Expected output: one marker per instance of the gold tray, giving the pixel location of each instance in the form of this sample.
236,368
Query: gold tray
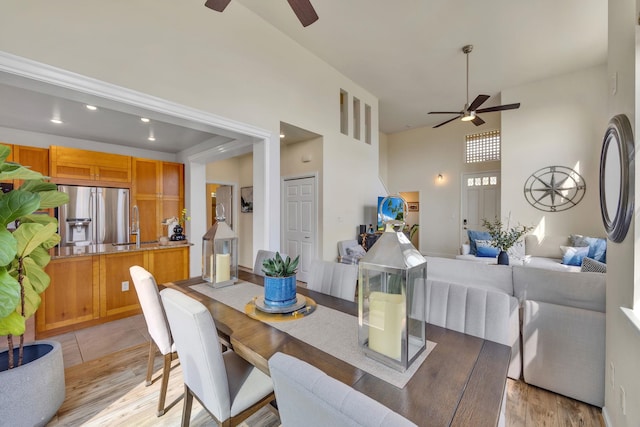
255,313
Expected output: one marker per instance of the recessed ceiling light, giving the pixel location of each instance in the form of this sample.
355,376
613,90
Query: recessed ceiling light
282,135
91,107
144,119
151,138
56,121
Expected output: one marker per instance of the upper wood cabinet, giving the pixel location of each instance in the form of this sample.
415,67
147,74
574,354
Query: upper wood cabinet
75,164
158,191
36,159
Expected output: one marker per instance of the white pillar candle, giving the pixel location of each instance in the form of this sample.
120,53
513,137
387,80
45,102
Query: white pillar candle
386,320
223,267
211,268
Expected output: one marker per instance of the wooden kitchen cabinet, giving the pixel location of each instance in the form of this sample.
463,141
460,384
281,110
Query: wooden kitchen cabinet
79,166
72,297
34,158
169,265
87,290
158,191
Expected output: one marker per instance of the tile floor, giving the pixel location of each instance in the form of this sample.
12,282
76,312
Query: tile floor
97,341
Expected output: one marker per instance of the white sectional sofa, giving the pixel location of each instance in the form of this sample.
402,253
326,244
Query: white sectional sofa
543,253
552,320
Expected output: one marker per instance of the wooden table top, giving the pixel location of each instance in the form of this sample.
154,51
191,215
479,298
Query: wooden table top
461,383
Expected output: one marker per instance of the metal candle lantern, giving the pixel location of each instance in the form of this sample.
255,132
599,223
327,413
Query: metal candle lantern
220,253
392,281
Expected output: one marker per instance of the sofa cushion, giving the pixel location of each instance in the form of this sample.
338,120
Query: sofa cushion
589,264
484,248
572,255
597,246
476,274
476,235
580,290
546,246
548,264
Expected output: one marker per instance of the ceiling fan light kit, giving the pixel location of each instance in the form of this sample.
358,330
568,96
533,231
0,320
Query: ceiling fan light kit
470,111
302,8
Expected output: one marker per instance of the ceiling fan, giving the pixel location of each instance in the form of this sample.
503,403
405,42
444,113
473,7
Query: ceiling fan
302,8
471,111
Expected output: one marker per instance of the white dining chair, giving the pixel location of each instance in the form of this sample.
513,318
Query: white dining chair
227,386
333,278
260,257
158,328
306,396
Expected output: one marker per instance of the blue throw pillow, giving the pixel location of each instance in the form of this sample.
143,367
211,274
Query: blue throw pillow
476,235
597,246
573,256
484,249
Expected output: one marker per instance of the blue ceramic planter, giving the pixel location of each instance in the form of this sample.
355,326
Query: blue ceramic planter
280,291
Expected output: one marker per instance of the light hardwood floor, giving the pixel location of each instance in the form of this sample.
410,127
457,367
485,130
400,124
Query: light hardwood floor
105,376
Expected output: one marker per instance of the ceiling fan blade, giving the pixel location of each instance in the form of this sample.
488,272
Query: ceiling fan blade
444,112
450,120
304,11
217,5
480,99
477,121
499,108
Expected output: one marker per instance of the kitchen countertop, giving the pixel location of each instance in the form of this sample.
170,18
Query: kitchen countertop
76,251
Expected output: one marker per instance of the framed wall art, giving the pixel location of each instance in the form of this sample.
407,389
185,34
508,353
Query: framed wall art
246,199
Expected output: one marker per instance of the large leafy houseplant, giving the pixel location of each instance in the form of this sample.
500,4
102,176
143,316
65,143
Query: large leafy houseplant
24,251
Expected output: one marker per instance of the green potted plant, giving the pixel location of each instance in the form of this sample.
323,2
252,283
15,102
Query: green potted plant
31,374
280,280
503,239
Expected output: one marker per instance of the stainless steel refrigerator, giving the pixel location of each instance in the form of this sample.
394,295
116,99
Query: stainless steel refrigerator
94,215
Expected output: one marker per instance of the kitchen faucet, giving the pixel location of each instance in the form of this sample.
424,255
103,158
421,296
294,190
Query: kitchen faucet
135,224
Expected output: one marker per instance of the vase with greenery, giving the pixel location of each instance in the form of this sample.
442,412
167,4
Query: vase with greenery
33,374
504,237
280,280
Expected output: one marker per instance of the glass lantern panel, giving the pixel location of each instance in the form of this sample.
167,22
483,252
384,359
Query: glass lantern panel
416,296
384,312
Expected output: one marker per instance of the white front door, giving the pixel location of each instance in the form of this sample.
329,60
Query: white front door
480,200
299,222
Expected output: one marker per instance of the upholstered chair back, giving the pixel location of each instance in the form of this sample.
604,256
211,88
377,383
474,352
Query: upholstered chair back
306,396
152,308
199,350
333,278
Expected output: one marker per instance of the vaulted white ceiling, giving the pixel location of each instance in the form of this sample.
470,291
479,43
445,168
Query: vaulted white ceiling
405,52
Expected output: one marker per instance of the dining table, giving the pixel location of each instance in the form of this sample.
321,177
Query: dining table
460,383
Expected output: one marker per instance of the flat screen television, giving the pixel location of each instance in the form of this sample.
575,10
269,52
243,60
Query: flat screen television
393,209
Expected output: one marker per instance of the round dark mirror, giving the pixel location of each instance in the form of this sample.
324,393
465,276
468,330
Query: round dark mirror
617,178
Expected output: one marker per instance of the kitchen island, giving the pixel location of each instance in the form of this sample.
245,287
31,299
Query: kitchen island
91,284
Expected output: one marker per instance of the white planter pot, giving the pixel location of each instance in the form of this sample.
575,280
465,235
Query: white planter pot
31,394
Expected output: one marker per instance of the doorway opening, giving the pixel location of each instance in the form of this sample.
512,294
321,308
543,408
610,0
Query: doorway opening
219,194
412,219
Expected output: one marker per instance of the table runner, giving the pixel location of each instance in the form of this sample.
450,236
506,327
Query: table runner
341,343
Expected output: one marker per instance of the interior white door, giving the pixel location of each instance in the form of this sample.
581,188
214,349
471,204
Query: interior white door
299,222
480,200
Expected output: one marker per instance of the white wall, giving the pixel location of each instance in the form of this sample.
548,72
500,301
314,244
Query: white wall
233,65
560,122
415,158
623,259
